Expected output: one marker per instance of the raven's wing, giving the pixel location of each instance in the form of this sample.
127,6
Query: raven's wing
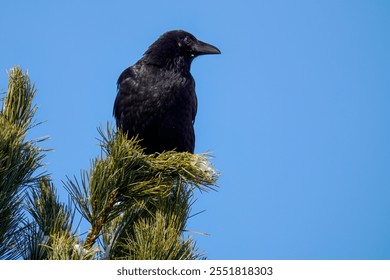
123,97
138,105
194,100
133,107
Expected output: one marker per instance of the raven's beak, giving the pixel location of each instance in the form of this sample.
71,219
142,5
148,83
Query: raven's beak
200,48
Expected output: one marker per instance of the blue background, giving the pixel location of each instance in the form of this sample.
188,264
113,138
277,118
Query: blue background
295,111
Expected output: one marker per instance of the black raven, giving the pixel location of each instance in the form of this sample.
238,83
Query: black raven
156,97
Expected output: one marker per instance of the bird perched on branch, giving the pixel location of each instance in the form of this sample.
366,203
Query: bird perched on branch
156,97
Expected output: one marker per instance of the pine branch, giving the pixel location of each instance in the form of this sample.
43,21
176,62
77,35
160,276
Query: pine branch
52,226
125,186
19,159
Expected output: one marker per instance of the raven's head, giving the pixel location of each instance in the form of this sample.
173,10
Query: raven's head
176,49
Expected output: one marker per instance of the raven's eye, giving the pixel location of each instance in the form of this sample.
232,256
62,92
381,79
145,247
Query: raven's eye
187,41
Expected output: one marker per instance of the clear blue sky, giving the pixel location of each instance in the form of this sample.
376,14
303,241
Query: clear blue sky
295,111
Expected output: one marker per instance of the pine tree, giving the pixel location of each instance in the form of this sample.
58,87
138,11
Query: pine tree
137,205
